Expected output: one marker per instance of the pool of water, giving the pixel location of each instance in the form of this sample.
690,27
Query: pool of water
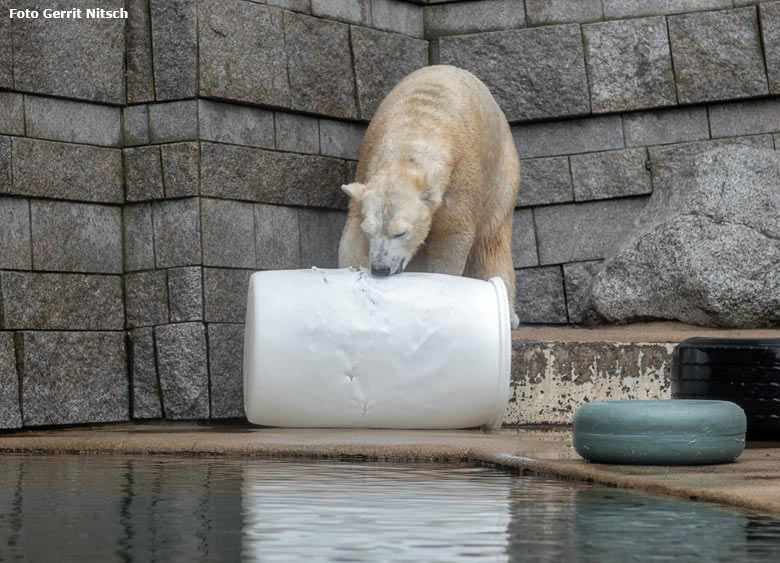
102,508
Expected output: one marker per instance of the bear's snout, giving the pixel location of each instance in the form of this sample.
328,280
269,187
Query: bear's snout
380,270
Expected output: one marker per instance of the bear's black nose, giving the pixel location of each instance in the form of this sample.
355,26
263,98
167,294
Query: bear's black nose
380,270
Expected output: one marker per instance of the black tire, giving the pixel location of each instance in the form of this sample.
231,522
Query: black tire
746,372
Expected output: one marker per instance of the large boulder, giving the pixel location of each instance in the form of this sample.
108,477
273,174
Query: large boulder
707,250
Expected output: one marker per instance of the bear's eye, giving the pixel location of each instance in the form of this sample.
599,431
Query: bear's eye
398,235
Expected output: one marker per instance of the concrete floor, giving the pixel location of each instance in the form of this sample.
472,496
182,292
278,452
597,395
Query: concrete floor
752,482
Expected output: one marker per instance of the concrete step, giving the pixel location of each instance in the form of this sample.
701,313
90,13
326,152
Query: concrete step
556,369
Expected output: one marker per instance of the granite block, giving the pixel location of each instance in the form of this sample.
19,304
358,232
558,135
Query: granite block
524,239
10,412
145,386
351,171
71,58
277,240
15,246
138,237
717,55
75,122
146,298
544,181
180,163
252,174
173,121
533,73
185,294
348,11
33,300
665,126
138,35
175,40
73,377
744,118
341,139
616,9
228,233
143,173
6,48
473,17
182,364
629,65
46,169
569,136
303,6
395,54
241,52
225,293
177,233
320,233
76,237
226,352
398,17
6,180
297,133
539,296
770,34
547,12
585,231
136,125
11,113
240,125
604,175
319,64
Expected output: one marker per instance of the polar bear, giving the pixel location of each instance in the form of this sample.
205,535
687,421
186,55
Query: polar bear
436,182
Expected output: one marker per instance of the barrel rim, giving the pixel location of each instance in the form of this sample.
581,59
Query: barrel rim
504,352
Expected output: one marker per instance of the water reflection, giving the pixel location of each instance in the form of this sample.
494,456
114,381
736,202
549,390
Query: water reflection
359,512
91,508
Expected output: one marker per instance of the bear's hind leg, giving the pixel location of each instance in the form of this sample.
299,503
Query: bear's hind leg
492,256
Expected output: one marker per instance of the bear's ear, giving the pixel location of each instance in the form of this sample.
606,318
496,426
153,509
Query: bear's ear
355,190
432,191
431,194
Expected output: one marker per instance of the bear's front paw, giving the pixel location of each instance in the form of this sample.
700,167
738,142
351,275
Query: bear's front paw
515,321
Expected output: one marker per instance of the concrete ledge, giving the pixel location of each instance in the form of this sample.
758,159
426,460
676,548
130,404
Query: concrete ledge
752,482
660,332
557,369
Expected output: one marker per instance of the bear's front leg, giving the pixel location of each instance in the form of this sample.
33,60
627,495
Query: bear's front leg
353,247
447,252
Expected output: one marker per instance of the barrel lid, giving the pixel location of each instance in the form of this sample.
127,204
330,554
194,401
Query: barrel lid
660,417
728,351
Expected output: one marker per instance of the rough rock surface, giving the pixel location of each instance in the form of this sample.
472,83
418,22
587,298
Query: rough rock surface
143,374
73,377
10,414
241,52
629,65
226,349
533,73
708,250
183,371
319,66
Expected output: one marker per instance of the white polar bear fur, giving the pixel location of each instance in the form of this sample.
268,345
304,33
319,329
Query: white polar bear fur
438,164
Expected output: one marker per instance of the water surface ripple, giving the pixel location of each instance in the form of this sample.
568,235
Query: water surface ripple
126,509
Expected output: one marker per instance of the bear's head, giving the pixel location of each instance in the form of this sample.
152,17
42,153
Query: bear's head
397,207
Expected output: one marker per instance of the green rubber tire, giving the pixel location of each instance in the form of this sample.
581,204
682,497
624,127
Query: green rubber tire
676,432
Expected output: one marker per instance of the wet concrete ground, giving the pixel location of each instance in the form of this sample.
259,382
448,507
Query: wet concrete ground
753,481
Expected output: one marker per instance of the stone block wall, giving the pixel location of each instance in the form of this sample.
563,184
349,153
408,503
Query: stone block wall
148,166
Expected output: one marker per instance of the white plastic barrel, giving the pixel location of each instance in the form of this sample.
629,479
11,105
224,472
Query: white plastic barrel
341,348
